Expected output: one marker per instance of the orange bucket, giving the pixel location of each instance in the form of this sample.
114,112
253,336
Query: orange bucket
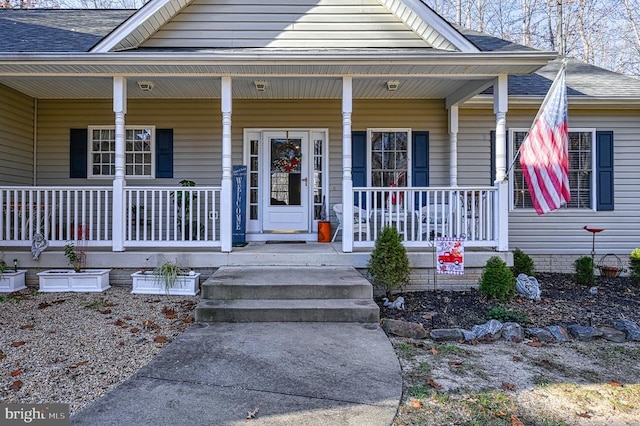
324,232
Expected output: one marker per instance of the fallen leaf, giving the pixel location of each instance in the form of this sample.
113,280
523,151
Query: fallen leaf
433,384
105,311
2,356
16,344
535,343
516,421
171,316
188,320
79,364
26,326
615,384
517,358
508,386
434,351
415,403
128,318
16,386
455,363
121,323
167,310
500,414
161,339
59,301
253,414
43,305
16,373
108,304
585,415
134,330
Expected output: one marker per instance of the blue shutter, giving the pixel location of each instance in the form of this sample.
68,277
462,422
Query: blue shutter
359,160
78,153
604,170
420,160
164,153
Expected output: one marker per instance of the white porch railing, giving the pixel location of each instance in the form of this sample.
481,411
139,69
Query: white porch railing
422,214
164,216
59,214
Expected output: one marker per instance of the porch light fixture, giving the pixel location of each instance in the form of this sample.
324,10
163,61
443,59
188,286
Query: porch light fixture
392,85
145,86
261,85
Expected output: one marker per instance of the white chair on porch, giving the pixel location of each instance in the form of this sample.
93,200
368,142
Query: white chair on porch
361,217
434,220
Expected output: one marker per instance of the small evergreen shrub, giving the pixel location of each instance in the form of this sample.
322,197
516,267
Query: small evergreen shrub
584,271
497,280
522,264
504,314
388,266
634,265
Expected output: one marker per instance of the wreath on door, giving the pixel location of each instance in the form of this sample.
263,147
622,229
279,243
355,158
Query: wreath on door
287,158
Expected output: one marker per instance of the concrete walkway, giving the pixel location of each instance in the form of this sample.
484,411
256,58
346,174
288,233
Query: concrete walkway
294,373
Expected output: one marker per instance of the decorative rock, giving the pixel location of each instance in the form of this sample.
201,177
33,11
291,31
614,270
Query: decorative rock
490,330
528,287
630,328
413,330
613,335
539,333
444,334
468,335
584,333
559,333
512,332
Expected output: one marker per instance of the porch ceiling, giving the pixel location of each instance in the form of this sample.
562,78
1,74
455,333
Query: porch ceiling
243,88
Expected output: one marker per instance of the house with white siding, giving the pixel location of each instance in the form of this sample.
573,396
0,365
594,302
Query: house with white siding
379,107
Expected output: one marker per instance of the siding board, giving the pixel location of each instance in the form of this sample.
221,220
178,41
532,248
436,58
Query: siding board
16,139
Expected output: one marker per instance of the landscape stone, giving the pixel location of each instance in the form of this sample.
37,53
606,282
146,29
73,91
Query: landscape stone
584,333
446,334
541,334
468,335
413,330
559,333
613,335
491,330
512,332
630,328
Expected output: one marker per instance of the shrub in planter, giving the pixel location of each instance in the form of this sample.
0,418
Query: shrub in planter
497,280
522,263
388,266
584,270
634,265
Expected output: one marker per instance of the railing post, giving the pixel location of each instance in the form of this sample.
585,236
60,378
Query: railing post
501,216
225,195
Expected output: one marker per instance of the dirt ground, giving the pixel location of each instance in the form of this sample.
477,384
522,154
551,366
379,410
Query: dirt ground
528,383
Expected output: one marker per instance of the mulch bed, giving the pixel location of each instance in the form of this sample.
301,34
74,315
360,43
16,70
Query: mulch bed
563,303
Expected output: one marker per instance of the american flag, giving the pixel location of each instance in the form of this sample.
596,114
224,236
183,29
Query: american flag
544,153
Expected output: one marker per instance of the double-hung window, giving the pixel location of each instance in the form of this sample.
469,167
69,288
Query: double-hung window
581,170
389,157
139,151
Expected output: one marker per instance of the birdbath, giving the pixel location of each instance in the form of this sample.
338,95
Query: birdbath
593,231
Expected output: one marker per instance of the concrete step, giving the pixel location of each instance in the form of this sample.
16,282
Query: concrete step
306,310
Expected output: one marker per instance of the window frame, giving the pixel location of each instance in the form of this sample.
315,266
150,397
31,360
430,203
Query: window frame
593,189
90,152
370,131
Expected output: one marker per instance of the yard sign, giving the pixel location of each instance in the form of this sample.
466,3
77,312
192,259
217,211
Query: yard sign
450,256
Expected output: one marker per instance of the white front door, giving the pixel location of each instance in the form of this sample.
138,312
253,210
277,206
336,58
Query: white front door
286,175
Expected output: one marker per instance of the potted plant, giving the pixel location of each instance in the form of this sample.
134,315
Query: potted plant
167,278
76,279
11,279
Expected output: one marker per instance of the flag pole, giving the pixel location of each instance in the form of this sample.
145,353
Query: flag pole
544,103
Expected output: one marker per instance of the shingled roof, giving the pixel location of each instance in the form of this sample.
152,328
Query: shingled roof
56,30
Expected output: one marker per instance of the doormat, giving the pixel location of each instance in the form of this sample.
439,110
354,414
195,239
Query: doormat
285,242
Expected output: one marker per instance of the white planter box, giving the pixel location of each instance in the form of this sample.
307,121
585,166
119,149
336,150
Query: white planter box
89,280
148,283
12,281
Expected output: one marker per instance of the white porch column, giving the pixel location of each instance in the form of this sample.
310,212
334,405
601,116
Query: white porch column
453,145
225,195
347,183
119,183
500,108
